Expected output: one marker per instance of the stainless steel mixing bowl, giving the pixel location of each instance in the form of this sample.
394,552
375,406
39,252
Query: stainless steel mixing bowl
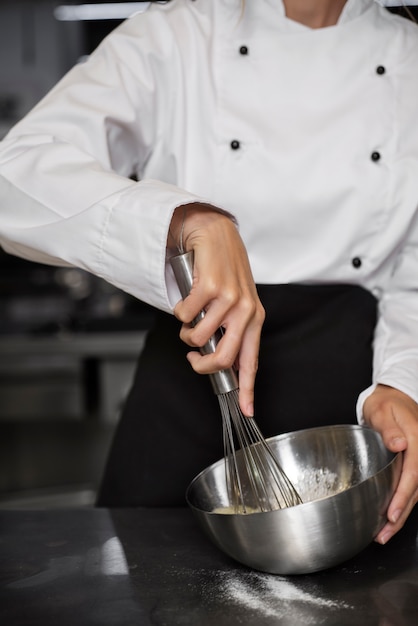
346,478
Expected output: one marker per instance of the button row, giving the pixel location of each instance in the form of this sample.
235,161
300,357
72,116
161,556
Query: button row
375,156
235,145
380,69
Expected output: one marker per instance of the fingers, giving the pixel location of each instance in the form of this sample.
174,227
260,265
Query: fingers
395,416
239,346
247,374
246,364
237,318
406,494
403,501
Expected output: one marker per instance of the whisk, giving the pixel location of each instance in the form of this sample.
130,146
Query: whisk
255,480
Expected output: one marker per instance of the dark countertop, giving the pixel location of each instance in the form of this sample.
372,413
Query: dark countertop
141,567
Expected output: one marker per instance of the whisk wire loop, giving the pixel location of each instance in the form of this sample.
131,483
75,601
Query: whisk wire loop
269,487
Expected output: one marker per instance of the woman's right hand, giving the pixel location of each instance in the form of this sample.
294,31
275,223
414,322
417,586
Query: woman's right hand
223,286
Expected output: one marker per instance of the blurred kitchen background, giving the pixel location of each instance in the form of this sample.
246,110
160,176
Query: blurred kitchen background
68,341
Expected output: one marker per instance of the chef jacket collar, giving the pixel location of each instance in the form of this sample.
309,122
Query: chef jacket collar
351,10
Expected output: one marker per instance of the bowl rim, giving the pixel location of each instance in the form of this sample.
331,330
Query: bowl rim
286,435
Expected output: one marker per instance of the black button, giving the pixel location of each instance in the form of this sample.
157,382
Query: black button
380,69
375,156
243,50
356,262
235,144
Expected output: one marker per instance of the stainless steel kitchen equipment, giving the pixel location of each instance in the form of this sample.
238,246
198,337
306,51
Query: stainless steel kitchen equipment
259,482
346,478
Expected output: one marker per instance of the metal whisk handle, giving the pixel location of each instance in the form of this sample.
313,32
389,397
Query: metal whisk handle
223,381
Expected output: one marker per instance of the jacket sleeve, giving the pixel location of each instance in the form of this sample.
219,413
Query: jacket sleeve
396,337
395,361
67,190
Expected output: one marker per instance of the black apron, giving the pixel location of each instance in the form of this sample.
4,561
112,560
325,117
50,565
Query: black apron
315,358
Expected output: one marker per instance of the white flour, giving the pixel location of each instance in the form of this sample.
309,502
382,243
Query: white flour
314,484
274,596
268,597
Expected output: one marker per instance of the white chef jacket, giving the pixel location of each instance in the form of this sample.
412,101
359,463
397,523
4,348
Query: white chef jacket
307,136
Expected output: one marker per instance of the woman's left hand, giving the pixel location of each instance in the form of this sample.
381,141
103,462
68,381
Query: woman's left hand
394,415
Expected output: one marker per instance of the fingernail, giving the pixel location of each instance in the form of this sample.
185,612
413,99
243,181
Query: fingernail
395,516
384,538
250,410
398,439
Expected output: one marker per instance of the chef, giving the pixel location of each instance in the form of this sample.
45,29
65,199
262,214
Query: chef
277,139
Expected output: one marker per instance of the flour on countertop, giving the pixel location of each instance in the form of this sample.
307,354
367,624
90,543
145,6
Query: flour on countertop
268,596
271,594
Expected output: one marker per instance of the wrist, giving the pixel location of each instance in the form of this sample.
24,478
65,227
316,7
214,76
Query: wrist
188,219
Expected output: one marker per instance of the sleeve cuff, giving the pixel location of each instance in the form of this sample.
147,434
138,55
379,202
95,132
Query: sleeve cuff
360,403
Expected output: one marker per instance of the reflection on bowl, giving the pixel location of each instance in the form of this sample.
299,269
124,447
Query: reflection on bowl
346,478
